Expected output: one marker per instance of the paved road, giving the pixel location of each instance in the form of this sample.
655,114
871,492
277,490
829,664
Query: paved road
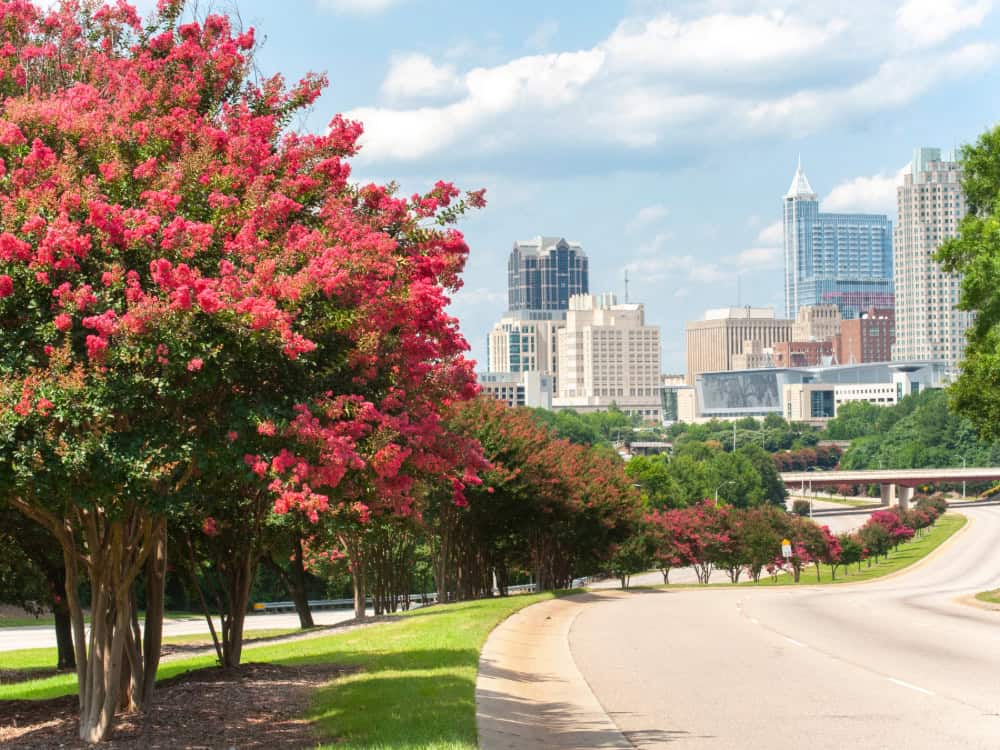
897,663
44,636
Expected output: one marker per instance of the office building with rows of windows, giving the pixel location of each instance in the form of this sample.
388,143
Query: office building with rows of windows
544,272
833,258
931,205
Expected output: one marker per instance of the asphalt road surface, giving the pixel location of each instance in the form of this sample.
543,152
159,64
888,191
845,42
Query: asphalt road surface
898,663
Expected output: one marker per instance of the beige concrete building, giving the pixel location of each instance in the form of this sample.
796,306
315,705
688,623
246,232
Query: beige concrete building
517,388
753,356
816,323
525,340
930,204
817,403
608,355
713,342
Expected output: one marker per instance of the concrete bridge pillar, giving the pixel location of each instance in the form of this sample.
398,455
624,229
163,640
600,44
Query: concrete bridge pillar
905,495
888,494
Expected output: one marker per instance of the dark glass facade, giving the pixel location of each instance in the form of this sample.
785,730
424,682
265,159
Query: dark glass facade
542,274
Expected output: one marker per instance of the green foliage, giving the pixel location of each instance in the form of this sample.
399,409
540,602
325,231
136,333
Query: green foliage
697,470
773,433
634,555
920,431
800,507
591,428
975,253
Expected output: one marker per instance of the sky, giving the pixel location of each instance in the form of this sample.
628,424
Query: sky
660,135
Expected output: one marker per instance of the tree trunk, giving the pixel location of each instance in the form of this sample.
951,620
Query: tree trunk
358,579
297,587
235,613
156,580
64,625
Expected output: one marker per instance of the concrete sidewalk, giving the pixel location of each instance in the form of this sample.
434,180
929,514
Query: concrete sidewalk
529,693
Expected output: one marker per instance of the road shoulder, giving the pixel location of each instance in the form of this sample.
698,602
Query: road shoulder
529,692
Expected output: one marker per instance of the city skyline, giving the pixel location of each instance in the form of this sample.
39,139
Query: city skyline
659,135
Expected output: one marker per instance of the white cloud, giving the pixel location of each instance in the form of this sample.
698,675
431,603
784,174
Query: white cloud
667,79
543,34
479,296
892,85
929,22
874,194
648,215
773,235
720,43
676,268
416,76
358,7
761,259
538,81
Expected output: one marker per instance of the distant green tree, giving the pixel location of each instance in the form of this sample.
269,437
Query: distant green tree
921,431
975,253
656,482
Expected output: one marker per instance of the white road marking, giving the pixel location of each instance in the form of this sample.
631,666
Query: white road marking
908,685
794,642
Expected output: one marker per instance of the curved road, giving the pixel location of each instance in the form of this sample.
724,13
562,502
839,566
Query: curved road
897,663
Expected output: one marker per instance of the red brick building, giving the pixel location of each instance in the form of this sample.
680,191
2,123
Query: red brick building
866,339
801,353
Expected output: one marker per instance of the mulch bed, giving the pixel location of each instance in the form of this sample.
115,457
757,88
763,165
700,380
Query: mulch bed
255,706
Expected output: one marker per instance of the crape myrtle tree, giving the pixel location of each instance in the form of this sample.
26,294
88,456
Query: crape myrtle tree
184,282
547,506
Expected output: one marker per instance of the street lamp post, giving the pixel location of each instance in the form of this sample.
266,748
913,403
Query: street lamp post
963,479
731,481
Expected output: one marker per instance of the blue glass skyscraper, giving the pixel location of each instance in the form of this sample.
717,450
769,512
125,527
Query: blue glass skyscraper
841,259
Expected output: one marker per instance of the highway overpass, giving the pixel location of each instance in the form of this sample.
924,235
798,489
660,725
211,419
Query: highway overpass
897,484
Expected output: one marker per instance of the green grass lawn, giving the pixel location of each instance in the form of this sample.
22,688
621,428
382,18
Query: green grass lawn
854,502
415,688
990,597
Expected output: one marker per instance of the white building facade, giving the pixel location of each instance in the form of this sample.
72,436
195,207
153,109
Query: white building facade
930,206
607,356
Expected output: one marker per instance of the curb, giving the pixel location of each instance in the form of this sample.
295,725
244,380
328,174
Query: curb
530,695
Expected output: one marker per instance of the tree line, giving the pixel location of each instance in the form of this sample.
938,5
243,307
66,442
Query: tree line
748,541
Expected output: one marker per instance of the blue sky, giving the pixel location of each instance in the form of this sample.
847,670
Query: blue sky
661,135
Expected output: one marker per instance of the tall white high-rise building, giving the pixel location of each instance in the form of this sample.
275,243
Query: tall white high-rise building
930,205
608,355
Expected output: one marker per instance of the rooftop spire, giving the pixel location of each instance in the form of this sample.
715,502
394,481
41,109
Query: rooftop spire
800,187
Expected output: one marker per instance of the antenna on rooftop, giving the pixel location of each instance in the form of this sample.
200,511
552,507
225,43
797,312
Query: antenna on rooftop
626,286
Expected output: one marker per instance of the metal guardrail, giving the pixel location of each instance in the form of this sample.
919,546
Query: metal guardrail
429,598
333,603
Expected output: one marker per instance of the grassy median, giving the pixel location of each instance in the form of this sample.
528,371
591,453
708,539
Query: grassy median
414,688
990,597
905,555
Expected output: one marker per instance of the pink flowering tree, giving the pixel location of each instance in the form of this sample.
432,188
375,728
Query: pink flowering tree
197,310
